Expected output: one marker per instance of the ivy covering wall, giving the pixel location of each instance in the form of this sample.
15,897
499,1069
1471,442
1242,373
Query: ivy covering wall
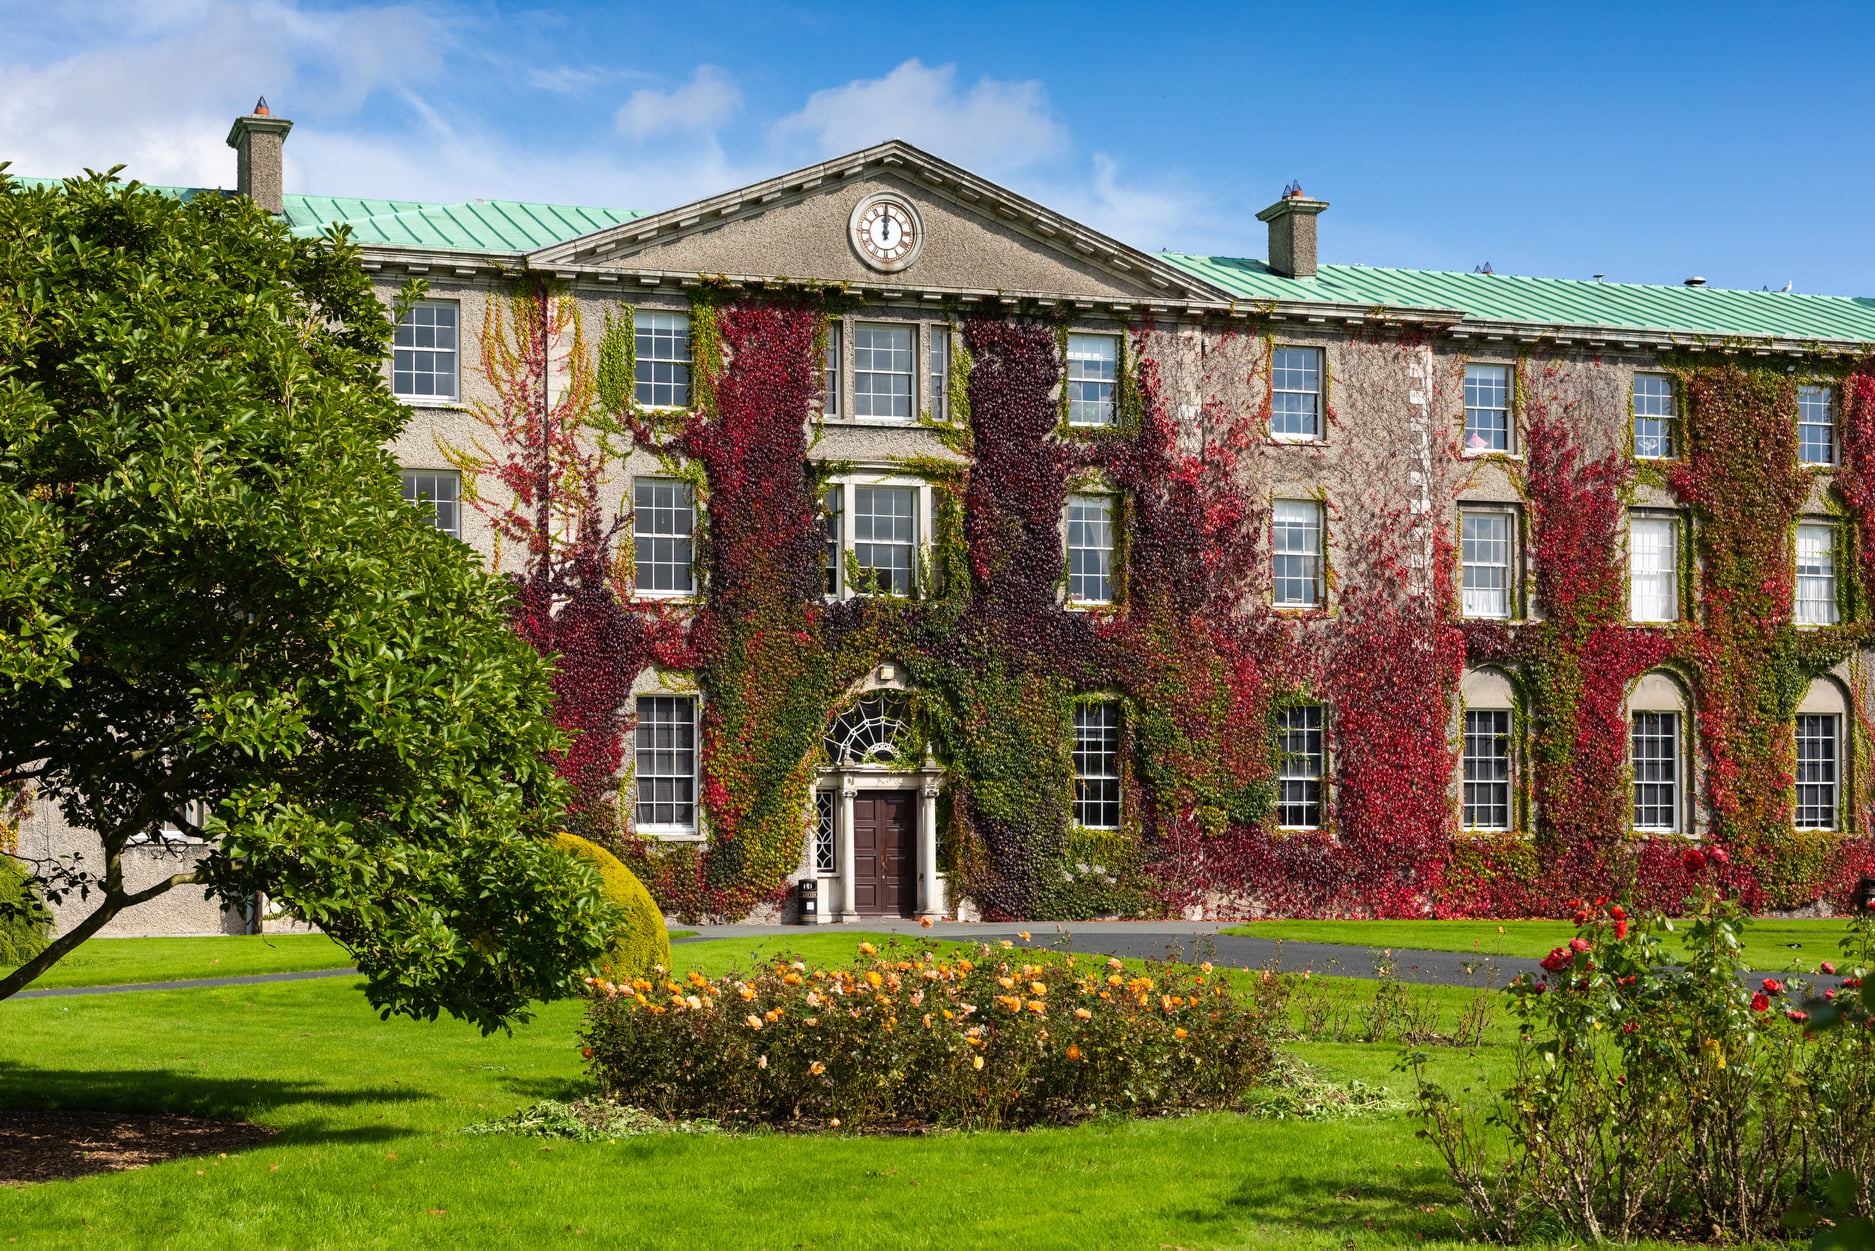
1199,661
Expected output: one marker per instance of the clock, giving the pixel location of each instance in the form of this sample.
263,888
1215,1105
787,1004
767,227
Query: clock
886,231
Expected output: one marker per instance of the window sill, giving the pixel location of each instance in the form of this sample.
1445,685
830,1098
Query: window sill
895,423
1488,453
667,597
432,401
1296,440
1089,605
1300,610
667,834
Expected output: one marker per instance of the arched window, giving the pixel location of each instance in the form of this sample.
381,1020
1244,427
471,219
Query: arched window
1822,756
871,731
1488,758
1658,755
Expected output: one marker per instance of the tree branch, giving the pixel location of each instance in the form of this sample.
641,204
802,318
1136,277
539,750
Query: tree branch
114,902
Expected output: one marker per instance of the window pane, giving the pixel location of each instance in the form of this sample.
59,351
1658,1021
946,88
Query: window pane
663,375
830,373
1818,736
1299,767
830,516
1484,553
1093,366
1296,396
1296,547
440,491
1090,548
939,382
1816,575
1487,408
882,372
1097,765
1486,762
825,805
1653,568
666,763
1654,416
663,526
1816,425
1654,750
884,538
423,352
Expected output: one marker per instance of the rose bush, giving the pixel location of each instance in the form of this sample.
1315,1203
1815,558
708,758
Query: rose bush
993,1039
1651,1098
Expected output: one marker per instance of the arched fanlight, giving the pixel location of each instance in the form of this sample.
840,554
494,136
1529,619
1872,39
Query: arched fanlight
868,732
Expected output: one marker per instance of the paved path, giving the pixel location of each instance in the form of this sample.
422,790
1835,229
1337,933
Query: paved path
1191,941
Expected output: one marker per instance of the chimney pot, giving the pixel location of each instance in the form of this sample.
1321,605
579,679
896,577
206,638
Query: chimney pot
1292,232
258,140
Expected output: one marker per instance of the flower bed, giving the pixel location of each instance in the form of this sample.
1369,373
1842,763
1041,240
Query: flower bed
918,1038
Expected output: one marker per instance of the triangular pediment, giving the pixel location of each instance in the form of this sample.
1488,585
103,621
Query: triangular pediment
976,236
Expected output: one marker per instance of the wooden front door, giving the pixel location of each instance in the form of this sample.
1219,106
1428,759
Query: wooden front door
883,828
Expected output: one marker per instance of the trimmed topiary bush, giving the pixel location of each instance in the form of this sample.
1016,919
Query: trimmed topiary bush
24,922
643,944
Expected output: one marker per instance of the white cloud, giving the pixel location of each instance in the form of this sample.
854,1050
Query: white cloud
704,103
393,101
994,125
160,96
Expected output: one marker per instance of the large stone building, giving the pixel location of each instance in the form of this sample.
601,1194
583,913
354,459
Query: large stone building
1156,581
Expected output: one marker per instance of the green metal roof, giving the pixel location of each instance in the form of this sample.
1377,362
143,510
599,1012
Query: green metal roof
1551,301
470,226
514,226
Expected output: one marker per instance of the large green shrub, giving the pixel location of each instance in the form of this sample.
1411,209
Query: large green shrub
918,1038
24,921
219,614
642,944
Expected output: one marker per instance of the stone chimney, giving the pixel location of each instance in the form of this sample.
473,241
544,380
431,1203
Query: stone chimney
258,140
1292,232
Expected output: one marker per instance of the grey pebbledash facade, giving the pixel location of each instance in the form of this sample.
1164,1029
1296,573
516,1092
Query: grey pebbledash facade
920,242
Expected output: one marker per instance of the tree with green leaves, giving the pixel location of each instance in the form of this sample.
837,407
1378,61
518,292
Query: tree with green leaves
219,617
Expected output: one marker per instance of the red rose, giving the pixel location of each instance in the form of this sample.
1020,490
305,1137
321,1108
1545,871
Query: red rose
1828,968
1694,860
1760,1002
1578,944
1798,1017
1618,912
1581,918
1621,929
1772,985
1557,960
1719,856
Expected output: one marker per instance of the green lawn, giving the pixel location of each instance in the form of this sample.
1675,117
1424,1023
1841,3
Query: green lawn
121,961
118,961
368,1153
1774,946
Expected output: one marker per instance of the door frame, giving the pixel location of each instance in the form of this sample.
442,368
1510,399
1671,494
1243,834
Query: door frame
927,883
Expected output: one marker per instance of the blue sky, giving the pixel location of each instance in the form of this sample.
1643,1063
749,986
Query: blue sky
1647,143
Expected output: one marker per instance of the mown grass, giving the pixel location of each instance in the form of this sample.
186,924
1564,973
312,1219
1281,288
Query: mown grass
1772,946
125,961
368,1152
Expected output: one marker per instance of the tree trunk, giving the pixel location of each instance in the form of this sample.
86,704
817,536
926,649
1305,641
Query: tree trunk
114,902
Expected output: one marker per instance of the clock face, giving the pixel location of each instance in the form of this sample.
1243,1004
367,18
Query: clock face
886,232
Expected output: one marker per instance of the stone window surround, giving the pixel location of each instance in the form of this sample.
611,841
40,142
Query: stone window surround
924,515
662,682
